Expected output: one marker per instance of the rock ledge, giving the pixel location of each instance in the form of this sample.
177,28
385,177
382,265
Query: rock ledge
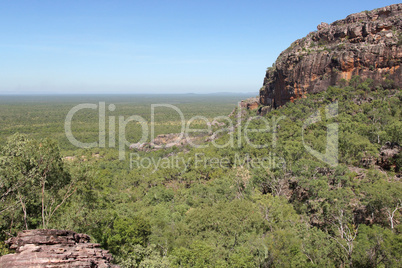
55,248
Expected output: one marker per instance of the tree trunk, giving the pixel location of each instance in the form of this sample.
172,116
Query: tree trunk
43,205
25,212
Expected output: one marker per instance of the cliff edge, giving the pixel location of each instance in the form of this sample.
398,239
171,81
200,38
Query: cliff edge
367,44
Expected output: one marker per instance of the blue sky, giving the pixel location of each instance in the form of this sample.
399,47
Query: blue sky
168,46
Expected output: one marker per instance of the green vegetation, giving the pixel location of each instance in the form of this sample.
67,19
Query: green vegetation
399,39
218,207
44,116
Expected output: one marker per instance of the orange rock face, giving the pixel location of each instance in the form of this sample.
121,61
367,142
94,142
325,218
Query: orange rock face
250,104
367,44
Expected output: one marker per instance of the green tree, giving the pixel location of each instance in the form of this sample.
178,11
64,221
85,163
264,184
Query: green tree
32,174
384,198
377,247
125,233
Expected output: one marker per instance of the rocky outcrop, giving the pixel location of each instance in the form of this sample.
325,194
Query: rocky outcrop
389,156
163,141
367,44
54,248
250,104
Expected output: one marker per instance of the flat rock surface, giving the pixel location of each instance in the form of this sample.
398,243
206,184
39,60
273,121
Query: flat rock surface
55,248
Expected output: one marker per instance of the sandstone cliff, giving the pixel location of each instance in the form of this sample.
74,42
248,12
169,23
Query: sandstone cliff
54,248
367,44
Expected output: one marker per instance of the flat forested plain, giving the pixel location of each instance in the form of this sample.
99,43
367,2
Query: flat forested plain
42,116
259,199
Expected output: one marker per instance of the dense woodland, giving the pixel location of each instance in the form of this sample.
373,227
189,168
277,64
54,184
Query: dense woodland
293,211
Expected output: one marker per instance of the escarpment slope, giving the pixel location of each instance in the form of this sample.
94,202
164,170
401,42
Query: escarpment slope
367,44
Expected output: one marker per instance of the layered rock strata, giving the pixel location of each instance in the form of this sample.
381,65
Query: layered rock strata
55,248
367,44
